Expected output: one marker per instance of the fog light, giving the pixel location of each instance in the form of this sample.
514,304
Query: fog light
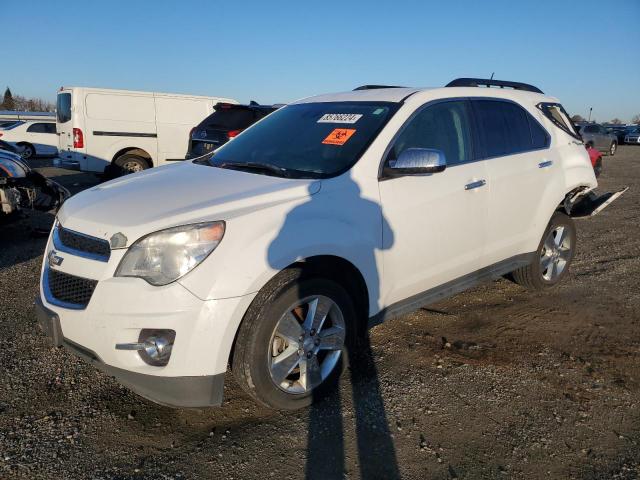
154,346
157,346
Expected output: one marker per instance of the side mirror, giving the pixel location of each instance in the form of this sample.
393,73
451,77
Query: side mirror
417,161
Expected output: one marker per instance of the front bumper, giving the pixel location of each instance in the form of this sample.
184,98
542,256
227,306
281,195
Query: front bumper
179,391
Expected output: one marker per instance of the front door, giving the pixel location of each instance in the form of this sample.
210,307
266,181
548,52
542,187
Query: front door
436,223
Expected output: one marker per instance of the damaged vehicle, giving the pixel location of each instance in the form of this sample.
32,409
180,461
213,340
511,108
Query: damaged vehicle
274,254
22,189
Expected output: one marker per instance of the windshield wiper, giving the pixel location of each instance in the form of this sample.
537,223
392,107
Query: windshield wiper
279,171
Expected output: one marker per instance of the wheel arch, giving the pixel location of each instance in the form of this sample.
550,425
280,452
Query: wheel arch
134,151
337,269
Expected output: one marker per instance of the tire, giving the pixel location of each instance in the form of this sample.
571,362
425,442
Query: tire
537,275
260,341
129,163
28,151
612,149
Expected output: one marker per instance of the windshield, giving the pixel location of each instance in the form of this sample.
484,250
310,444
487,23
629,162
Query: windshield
308,140
63,107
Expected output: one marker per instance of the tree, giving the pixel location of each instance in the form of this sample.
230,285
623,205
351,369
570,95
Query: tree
616,121
7,102
636,119
577,118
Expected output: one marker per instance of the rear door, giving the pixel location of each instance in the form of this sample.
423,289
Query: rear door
64,125
519,167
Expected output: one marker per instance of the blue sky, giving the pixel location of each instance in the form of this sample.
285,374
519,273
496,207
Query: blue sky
585,53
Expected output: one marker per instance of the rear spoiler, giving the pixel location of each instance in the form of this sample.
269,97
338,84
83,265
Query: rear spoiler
587,203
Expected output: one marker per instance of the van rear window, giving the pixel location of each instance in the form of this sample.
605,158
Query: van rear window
63,107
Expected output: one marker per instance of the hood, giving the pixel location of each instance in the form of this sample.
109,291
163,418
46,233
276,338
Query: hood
168,196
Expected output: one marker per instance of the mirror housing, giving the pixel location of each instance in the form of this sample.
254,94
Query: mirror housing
417,161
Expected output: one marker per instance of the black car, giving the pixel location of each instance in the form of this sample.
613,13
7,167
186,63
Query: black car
227,121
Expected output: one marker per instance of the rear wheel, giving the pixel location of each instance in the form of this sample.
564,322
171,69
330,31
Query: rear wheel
553,257
293,341
129,163
28,151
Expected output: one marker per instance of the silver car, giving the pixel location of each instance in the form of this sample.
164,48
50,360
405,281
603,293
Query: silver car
632,136
602,140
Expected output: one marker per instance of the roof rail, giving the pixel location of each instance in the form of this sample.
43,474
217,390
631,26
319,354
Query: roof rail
477,82
373,87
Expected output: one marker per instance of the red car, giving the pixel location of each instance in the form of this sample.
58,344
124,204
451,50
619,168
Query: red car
596,158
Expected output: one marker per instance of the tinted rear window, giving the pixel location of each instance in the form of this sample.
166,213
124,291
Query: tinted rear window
63,107
507,129
229,119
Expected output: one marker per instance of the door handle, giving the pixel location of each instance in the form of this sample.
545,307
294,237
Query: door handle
476,184
545,164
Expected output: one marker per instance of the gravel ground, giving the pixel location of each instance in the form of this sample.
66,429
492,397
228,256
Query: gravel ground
493,383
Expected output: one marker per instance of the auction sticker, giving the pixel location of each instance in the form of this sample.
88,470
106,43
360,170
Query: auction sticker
340,118
339,136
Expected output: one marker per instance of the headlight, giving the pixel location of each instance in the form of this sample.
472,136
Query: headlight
165,256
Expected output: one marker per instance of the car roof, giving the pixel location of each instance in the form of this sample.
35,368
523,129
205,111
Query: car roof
399,94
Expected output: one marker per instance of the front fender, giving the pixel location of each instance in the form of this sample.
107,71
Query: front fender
259,245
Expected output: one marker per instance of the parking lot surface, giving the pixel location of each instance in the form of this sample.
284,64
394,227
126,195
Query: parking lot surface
496,382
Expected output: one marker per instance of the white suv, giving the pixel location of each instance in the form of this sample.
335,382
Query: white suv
330,215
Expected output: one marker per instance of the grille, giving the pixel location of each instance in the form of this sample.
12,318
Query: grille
69,288
84,243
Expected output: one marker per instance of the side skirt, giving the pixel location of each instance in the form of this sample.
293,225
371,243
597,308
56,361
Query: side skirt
486,274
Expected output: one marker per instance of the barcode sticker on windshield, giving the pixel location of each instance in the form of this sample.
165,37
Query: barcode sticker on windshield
340,118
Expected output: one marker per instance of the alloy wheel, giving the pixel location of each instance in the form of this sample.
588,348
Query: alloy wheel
306,344
556,253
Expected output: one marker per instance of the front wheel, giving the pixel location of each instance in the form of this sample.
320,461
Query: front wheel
553,256
293,341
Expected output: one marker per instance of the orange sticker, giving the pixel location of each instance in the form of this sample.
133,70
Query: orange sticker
339,136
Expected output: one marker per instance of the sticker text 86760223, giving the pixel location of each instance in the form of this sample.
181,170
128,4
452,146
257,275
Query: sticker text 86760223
339,136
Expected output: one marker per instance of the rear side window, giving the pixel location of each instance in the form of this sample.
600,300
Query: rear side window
42,128
559,117
507,128
63,107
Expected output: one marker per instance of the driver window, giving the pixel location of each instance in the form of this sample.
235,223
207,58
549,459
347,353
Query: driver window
444,126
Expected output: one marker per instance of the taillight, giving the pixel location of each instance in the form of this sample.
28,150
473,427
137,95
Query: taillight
78,138
233,133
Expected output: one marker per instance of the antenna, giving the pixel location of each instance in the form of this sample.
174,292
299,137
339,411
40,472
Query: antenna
492,73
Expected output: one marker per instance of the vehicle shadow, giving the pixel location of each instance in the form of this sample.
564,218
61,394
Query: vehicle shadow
328,448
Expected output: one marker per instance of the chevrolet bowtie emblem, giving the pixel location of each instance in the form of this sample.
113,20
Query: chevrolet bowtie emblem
54,259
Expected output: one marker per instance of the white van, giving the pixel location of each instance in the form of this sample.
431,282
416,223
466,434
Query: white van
131,130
